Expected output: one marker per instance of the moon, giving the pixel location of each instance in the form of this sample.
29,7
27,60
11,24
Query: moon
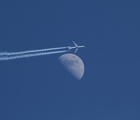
73,64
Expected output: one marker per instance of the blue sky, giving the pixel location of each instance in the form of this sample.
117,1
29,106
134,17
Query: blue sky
39,88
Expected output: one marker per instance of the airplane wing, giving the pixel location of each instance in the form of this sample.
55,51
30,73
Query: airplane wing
76,50
75,44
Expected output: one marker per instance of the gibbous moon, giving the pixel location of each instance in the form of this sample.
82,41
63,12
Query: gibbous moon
73,64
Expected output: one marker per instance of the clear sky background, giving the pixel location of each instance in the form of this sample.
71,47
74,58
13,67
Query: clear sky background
39,88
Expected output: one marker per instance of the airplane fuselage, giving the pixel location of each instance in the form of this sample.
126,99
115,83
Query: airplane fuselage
75,47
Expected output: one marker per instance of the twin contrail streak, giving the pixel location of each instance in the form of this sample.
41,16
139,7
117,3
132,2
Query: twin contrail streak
30,53
10,57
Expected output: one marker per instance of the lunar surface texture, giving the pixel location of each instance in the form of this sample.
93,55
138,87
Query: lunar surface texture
73,64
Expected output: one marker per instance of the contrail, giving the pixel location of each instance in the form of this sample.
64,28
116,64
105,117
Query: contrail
10,56
31,51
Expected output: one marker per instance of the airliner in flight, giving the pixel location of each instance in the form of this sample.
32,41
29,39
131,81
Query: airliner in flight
76,47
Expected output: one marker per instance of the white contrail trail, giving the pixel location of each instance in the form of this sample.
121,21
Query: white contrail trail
28,54
31,51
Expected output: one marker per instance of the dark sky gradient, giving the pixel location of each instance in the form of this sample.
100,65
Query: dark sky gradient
39,88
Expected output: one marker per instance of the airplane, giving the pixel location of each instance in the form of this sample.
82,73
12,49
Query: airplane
76,47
